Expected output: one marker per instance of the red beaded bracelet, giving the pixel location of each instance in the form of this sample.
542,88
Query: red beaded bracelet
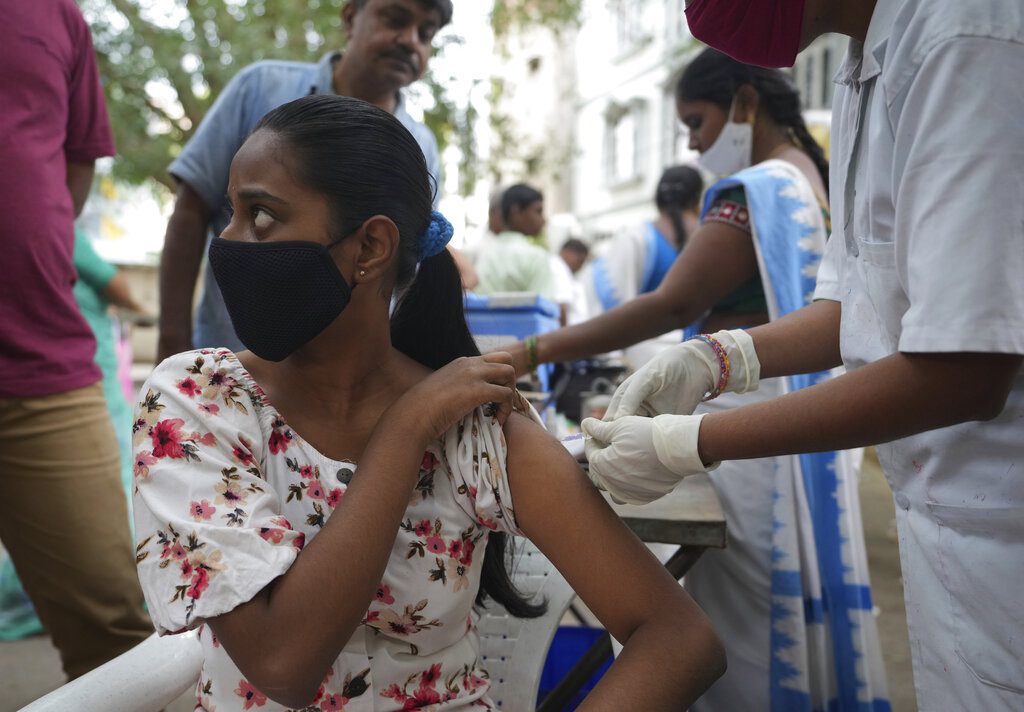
723,364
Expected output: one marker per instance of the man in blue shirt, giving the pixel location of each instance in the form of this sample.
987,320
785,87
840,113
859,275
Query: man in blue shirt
388,47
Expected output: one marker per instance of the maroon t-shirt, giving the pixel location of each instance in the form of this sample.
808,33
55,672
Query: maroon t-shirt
51,112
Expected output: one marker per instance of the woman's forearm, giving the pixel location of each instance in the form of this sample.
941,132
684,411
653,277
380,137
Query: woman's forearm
338,572
897,396
661,667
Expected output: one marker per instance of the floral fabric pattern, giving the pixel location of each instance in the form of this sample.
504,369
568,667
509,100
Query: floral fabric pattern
227,494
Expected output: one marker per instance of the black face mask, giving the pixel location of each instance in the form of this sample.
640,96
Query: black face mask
279,294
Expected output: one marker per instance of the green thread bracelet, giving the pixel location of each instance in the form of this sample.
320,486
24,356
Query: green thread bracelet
530,342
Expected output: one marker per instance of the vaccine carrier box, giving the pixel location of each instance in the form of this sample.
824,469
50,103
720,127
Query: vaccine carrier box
497,319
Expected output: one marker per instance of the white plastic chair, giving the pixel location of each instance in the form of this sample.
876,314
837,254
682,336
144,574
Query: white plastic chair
513,650
147,678
156,672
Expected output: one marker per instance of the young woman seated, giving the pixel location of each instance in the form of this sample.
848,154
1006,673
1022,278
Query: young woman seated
329,506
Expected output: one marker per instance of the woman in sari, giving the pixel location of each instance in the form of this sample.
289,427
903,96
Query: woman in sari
790,595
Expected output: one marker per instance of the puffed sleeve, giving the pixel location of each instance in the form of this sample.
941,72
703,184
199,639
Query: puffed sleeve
476,454
209,529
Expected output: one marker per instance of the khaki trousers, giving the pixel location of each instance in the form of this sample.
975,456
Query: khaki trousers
64,521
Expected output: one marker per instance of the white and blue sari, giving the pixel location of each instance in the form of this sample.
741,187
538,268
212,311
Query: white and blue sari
790,596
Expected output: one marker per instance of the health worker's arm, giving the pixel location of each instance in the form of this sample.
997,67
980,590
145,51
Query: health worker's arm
894,397
717,259
959,253
804,341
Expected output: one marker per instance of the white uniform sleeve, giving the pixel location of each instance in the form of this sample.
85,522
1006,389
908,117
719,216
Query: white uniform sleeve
958,177
209,528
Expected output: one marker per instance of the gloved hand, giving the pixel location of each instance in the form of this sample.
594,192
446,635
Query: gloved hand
677,379
637,460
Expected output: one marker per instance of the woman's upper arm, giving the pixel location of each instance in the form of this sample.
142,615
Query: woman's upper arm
717,259
564,515
209,528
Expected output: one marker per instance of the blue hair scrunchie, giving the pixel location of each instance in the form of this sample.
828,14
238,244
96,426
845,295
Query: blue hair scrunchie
435,238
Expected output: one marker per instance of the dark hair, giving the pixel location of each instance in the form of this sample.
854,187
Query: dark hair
715,77
679,189
574,244
443,7
366,163
518,196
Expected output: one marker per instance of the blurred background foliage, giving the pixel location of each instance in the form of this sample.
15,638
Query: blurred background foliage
510,15
163,62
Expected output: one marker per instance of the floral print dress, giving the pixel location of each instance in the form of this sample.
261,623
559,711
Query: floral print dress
226,495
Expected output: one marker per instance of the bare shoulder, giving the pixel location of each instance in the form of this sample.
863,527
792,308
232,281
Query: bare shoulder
529,444
543,477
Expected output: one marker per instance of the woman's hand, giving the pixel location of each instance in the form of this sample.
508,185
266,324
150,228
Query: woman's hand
442,399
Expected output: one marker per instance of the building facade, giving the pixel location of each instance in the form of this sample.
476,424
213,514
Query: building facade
630,54
589,114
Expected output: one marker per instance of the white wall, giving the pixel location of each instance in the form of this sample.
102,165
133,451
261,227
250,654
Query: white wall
628,56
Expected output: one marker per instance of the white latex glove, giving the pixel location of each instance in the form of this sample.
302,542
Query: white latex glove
677,379
637,460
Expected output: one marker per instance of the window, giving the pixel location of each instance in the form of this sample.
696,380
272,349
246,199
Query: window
630,29
679,143
814,70
675,21
624,144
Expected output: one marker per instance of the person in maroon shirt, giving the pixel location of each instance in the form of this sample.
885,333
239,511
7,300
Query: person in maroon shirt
63,514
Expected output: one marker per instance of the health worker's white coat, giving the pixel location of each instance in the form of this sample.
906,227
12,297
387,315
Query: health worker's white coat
927,255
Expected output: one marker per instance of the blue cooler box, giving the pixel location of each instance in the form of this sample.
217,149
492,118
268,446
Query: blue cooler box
569,645
497,319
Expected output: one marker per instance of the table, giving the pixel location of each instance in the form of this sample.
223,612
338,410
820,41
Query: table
691,517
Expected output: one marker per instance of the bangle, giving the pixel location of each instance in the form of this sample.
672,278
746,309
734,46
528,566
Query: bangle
723,364
530,342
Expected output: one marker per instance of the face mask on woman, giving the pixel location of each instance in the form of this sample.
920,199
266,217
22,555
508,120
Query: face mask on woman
279,295
731,151
761,32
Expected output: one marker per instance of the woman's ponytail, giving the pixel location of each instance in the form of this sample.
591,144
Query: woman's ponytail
429,326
